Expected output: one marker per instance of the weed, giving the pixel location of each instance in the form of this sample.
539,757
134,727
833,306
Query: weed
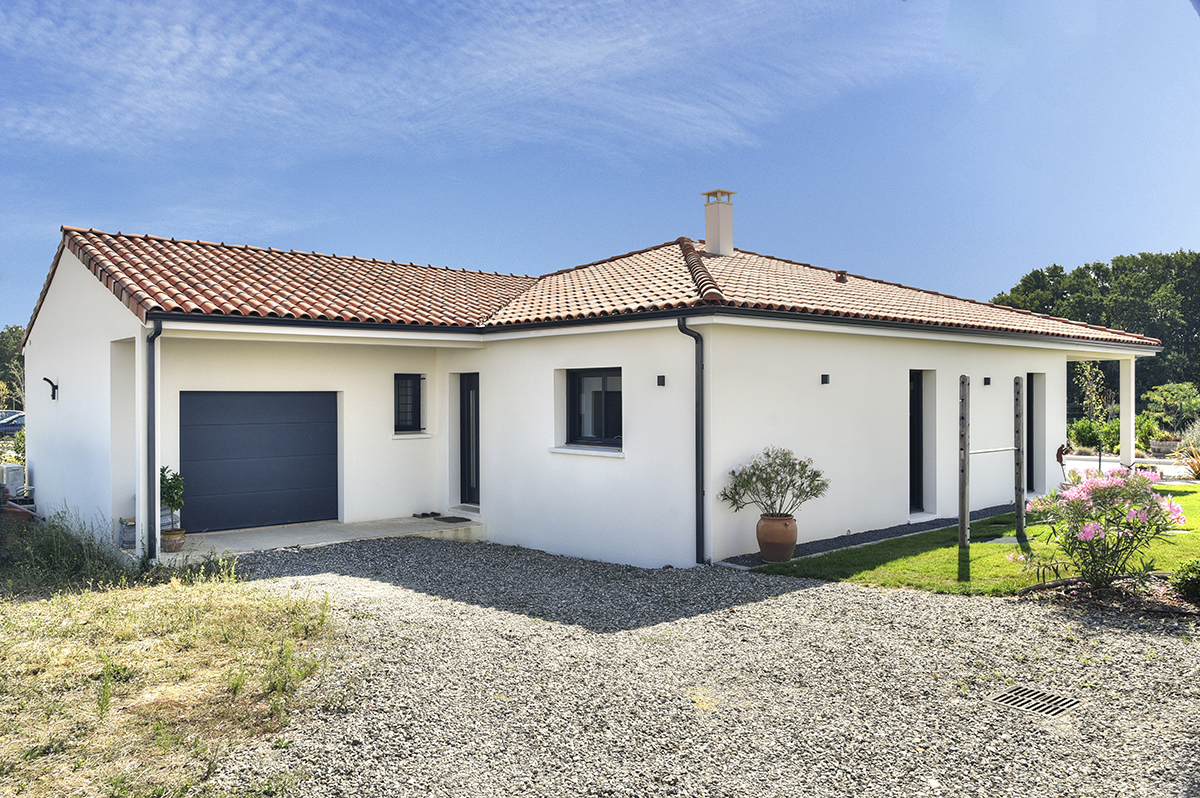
104,695
236,681
53,746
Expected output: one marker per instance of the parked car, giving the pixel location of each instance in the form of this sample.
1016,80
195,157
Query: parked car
7,414
12,424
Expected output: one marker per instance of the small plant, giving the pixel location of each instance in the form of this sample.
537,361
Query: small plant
1186,580
170,486
1100,521
1189,458
777,482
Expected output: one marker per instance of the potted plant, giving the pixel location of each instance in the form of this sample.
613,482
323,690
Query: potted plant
777,482
170,487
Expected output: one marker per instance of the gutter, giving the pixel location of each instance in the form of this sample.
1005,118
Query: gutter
152,510
683,328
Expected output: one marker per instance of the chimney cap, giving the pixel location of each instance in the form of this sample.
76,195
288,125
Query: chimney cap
719,195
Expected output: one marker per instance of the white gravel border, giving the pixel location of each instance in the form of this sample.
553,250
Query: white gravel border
471,669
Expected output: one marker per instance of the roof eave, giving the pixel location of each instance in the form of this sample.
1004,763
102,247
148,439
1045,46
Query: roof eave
1133,347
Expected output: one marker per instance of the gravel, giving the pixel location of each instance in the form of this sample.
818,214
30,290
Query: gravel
472,669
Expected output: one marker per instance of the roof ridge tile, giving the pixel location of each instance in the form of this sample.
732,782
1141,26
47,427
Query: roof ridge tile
706,284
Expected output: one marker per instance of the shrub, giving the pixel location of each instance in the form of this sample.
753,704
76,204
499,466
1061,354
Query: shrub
1101,521
1191,435
1146,429
1084,433
1186,580
777,482
1110,435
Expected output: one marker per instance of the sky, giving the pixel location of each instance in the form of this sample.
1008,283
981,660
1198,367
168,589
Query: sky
952,145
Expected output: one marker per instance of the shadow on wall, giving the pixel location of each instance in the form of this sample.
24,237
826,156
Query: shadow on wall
600,597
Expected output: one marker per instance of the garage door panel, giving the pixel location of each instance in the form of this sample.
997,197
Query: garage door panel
257,407
251,510
249,441
257,458
254,475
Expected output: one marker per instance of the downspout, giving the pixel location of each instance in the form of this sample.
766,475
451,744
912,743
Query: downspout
683,328
151,449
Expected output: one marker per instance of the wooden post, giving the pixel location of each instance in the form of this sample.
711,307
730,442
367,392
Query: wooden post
1019,456
964,478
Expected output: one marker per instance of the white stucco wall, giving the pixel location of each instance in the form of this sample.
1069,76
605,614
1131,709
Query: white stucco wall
382,475
635,508
765,389
70,441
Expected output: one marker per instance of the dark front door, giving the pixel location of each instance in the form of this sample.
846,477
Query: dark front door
916,436
468,436
1029,453
257,458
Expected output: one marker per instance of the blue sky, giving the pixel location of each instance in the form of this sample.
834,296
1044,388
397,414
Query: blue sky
951,145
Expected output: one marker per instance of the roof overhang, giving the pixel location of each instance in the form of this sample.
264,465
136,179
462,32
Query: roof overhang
196,325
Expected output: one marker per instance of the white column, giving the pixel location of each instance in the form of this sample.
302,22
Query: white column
1128,406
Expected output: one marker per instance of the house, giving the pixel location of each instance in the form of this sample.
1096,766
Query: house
570,412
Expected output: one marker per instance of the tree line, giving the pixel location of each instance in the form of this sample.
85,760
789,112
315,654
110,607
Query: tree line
12,368
1151,294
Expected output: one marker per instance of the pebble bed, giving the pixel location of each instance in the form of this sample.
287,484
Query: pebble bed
808,548
473,669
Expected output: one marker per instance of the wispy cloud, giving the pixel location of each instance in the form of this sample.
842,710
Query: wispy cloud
130,76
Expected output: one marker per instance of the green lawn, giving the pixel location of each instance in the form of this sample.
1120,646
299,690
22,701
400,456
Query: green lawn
929,560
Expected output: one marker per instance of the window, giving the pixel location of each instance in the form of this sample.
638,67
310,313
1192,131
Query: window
594,407
408,403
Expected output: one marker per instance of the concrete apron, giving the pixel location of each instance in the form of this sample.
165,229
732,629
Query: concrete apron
196,546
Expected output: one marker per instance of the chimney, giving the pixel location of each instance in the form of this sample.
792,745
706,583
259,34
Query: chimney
718,222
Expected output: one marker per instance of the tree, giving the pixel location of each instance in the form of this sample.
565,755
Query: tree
1150,294
12,364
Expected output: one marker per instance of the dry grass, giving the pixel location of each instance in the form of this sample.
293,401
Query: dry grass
137,690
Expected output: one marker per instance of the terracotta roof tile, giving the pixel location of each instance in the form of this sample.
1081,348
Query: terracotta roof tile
149,273
760,281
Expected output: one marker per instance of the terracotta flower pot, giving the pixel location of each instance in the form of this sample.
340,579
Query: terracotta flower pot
172,540
776,537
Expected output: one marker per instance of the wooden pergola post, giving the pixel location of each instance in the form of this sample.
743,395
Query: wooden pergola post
964,478
1019,457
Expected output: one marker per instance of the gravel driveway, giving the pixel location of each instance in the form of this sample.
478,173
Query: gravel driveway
477,669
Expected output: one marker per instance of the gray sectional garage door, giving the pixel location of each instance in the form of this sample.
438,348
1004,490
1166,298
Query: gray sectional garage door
257,458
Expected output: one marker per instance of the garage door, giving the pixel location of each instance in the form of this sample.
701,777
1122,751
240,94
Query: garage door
257,458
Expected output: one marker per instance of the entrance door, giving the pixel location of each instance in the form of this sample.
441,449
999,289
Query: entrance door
468,436
916,440
1029,451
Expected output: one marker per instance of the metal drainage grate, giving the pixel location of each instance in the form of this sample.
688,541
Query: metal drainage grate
1039,702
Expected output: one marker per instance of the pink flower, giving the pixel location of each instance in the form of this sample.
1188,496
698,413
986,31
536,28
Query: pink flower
1090,531
1135,514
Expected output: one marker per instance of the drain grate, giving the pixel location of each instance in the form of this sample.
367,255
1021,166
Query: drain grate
1030,699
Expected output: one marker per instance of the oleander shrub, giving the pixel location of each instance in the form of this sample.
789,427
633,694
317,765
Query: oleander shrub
1098,523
